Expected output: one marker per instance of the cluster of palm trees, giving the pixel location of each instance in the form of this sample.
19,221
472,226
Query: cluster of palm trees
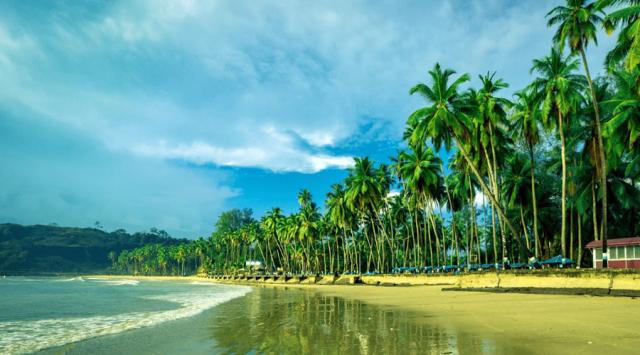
535,175
158,259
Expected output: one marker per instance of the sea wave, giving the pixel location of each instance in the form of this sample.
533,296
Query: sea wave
28,336
204,283
20,279
79,278
119,282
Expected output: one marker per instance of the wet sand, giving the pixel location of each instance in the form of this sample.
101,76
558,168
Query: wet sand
543,323
538,323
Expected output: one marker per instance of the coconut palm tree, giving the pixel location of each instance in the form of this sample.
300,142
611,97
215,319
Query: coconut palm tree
525,125
558,88
516,187
270,224
626,16
341,216
444,122
623,129
363,195
308,220
577,27
421,169
180,255
489,111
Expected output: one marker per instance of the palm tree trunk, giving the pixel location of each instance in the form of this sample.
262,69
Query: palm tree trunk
474,222
570,232
345,250
484,187
264,259
534,202
496,188
416,242
524,228
429,213
579,241
453,224
324,256
270,251
428,240
603,161
469,242
484,223
594,212
563,201
370,254
493,231
435,234
493,217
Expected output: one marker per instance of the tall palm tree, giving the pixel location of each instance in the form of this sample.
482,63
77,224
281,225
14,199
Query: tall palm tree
180,255
338,215
516,187
365,194
421,169
304,198
490,112
558,88
577,27
525,124
445,122
626,16
623,129
270,224
463,192
308,220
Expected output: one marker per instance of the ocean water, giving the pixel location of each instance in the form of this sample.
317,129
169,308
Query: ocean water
92,316
42,313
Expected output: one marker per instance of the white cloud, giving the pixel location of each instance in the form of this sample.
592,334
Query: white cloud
481,200
277,158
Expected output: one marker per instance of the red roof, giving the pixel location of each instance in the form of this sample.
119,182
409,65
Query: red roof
618,242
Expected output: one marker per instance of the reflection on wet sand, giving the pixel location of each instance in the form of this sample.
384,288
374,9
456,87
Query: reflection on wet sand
272,320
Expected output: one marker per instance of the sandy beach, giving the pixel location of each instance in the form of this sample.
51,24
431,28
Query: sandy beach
546,323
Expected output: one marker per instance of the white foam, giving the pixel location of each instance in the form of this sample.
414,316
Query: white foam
28,336
119,282
204,283
21,279
79,278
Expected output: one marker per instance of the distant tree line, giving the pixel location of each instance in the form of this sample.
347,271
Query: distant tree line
53,249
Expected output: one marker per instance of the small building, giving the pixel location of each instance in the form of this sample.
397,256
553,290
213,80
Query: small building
624,253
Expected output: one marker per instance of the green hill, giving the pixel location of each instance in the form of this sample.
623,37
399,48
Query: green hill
41,249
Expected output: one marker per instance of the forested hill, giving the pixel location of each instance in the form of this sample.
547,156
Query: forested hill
41,249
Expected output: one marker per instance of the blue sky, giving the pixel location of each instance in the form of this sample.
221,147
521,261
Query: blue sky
144,114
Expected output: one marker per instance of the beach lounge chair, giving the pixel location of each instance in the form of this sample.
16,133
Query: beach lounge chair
558,261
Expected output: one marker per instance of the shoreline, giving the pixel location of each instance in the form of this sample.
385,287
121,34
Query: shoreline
623,283
569,323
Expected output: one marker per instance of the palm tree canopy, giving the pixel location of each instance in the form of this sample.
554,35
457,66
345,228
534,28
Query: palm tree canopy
626,16
442,116
526,117
421,169
577,22
363,186
556,86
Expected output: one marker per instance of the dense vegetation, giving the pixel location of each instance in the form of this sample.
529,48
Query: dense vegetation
44,249
556,165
